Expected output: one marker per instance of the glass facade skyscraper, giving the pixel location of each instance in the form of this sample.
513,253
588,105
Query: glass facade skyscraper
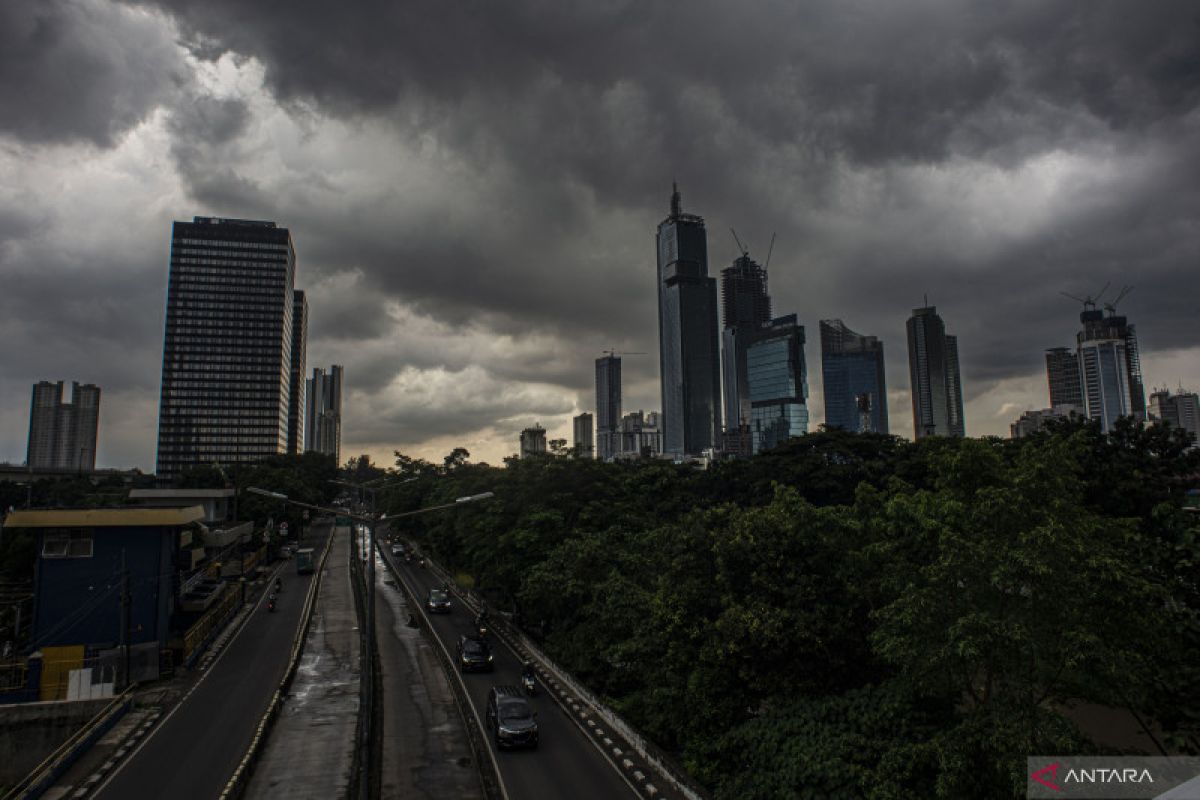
608,405
227,352
936,381
689,354
777,380
1110,371
745,307
851,367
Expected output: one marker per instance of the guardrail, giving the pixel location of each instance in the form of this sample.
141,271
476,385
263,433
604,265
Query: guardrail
237,783
485,760
592,705
43,776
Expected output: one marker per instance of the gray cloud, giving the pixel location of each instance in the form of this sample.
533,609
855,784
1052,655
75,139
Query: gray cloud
81,71
490,175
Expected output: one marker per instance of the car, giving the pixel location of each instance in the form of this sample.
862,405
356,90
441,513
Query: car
438,601
398,549
512,721
475,654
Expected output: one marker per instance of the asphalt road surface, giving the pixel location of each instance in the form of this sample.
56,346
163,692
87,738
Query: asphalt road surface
566,764
195,749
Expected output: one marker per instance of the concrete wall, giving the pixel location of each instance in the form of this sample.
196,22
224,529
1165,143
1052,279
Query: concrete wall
32,731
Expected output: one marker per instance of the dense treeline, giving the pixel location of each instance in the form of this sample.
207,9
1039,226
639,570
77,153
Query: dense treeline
852,615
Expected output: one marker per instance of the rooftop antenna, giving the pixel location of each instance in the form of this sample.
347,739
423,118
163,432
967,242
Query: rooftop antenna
926,297
741,247
770,250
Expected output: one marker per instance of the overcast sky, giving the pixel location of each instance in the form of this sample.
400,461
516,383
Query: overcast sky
473,189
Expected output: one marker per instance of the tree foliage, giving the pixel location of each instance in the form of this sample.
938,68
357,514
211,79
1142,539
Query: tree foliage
851,615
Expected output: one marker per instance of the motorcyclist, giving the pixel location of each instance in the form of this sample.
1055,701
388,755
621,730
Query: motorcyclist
278,583
527,669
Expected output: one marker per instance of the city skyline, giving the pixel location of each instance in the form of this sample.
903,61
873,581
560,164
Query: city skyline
474,302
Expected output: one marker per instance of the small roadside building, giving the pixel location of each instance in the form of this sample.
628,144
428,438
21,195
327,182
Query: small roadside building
105,578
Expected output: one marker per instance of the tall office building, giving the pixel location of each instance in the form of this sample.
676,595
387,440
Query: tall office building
1062,373
296,406
533,441
745,307
1110,370
227,354
1180,410
851,367
689,354
324,416
583,436
936,382
777,381
63,435
608,405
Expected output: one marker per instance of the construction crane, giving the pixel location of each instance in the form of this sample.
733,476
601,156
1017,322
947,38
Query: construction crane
1111,308
615,353
741,247
1089,302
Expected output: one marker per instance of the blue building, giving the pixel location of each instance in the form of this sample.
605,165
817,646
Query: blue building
89,561
778,383
851,367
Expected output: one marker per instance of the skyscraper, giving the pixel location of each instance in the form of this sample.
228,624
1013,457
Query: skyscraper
583,436
533,441
777,381
63,435
324,416
296,406
745,307
608,405
1110,369
936,382
227,354
852,366
1062,373
687,333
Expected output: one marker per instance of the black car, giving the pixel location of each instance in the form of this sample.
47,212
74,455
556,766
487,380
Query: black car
513,722
438,601
474,654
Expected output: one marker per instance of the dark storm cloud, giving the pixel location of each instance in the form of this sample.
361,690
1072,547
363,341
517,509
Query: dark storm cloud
81,71
619,97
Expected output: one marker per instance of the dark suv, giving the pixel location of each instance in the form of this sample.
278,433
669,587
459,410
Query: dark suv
513,722
474,654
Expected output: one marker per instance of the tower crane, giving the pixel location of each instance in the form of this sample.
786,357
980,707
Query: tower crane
615,353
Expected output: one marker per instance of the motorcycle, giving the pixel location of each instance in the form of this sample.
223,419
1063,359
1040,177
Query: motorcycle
529,684
278,584
271,603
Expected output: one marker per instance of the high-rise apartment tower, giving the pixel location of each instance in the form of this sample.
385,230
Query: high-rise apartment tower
63,435
324,416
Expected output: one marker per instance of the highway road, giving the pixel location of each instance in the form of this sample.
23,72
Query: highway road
566,764
195,749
